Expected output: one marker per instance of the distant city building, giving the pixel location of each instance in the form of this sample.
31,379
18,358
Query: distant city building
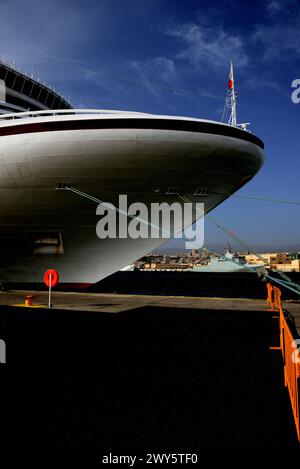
271,258
278,260
195,253
295,255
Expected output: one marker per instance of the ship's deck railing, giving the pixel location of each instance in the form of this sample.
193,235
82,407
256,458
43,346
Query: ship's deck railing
59,112
290,353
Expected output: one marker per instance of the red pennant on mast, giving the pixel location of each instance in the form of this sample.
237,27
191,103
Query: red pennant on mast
230,81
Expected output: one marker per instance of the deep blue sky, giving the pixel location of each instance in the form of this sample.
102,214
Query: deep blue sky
83,48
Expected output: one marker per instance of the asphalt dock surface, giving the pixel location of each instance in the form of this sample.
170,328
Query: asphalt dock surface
159,374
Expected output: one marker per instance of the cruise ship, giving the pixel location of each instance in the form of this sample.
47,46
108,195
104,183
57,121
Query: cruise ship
45,144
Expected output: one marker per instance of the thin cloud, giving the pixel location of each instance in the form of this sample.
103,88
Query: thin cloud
254,82
205,44
275,6
148,71
279,36
161,65
278,41
282,7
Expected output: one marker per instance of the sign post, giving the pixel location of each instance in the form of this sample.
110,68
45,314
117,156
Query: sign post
51,279
50,284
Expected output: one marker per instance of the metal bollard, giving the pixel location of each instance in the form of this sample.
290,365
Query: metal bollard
28,300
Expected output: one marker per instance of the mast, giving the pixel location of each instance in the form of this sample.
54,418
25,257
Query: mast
232,95
229,113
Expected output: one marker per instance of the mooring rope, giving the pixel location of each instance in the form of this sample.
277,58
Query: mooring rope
287,283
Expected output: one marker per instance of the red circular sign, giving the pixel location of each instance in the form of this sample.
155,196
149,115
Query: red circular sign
51,276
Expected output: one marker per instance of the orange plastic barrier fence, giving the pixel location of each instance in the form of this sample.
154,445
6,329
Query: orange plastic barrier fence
290,353
270,296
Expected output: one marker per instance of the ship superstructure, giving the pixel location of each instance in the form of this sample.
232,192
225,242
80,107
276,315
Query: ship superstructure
19,92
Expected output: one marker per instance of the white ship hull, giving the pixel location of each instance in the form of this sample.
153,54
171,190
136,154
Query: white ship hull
143,157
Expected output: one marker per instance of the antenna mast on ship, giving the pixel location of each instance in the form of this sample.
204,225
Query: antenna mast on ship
229,113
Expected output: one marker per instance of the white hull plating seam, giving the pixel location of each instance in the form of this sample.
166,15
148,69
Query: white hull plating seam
104,162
